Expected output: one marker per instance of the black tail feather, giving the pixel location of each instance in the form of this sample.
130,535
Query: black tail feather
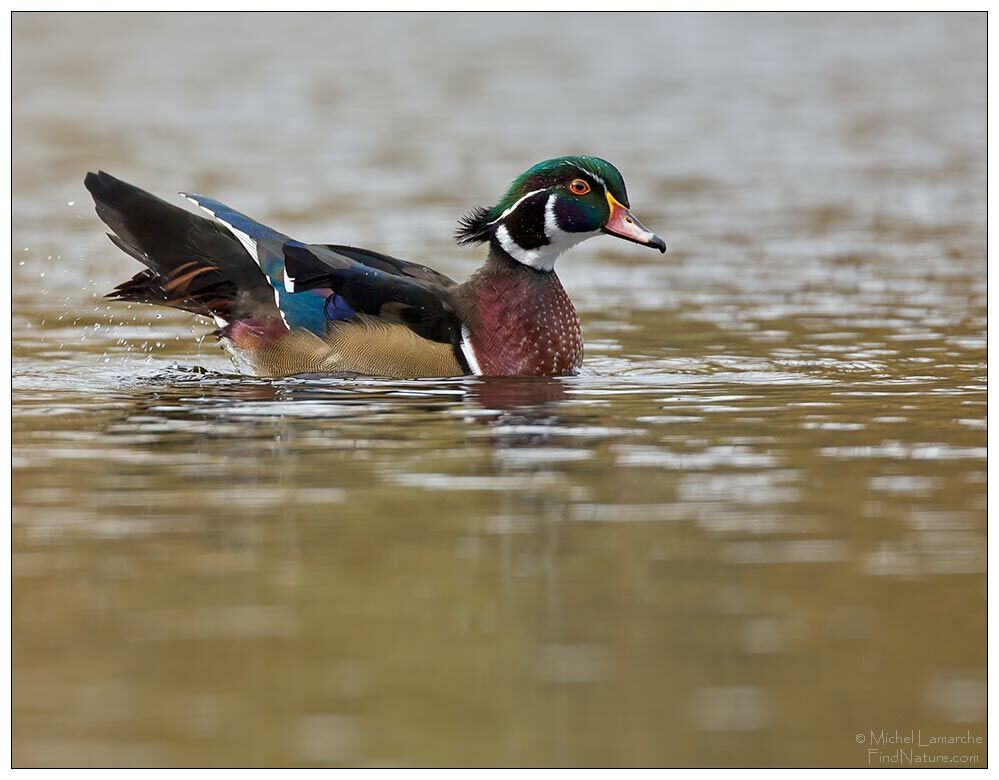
193,263
128,249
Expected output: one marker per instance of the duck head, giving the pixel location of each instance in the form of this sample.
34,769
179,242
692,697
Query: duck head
554,206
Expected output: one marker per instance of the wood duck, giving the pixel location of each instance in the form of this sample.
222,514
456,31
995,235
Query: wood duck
284,308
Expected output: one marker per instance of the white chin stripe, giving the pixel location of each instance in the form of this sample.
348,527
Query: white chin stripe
248,243
512,248
543,258
469,351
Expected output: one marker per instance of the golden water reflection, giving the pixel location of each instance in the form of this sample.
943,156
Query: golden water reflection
753,529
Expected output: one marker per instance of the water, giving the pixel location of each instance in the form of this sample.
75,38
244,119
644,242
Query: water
753,529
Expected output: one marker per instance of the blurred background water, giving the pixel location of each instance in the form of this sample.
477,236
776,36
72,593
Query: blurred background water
752,529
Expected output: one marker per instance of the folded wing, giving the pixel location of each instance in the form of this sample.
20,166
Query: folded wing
357,282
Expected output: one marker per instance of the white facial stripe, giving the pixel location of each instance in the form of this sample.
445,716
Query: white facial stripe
510,210
543,258
289,283
469,351
552,230
589,173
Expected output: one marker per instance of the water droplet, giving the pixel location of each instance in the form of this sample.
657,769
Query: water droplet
70,202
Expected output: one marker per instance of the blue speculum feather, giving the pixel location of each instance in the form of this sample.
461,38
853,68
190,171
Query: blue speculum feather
306,310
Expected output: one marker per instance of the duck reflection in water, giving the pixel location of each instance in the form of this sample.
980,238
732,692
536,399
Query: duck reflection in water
531,401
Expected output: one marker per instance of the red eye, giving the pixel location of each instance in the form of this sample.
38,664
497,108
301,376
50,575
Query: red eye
579,187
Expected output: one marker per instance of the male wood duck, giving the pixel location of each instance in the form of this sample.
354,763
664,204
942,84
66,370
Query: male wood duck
283,307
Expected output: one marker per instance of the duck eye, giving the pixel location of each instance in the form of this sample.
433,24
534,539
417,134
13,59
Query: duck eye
579,187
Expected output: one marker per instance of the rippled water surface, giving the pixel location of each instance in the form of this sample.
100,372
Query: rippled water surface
752,529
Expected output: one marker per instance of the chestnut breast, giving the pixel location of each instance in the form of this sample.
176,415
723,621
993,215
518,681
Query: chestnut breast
522,323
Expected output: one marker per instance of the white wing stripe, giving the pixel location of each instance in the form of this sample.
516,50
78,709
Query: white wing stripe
249,243
251,246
